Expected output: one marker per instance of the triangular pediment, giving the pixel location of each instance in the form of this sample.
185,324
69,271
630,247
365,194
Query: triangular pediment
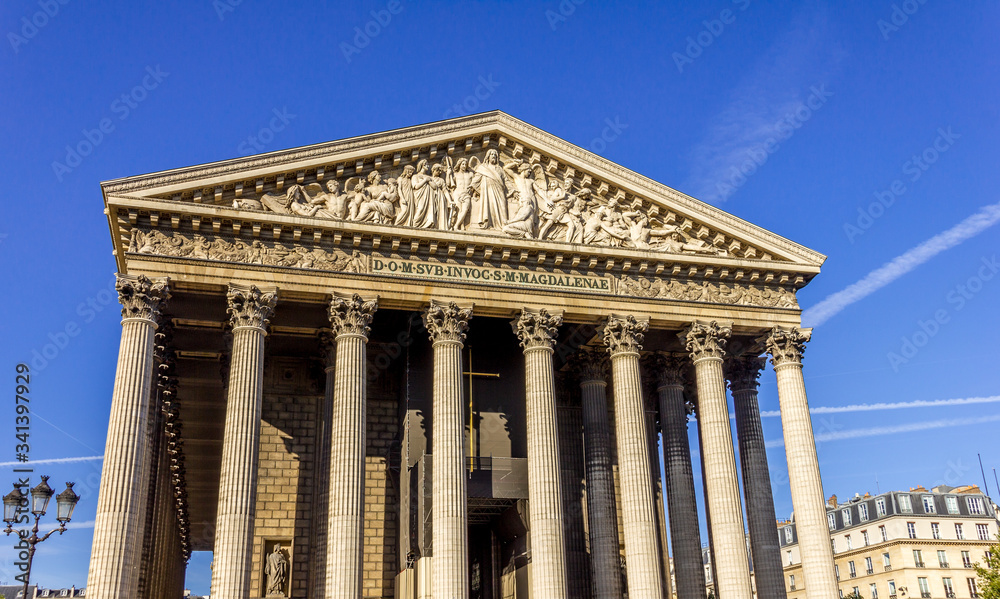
488,175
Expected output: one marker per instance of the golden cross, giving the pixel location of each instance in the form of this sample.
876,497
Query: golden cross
471,374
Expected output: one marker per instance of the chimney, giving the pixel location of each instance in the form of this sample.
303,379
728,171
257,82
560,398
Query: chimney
832,501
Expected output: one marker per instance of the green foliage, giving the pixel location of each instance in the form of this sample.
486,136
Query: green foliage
989,573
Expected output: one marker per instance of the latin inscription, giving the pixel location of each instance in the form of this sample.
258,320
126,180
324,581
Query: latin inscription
488,275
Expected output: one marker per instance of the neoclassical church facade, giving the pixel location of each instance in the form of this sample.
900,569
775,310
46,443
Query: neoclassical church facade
439,362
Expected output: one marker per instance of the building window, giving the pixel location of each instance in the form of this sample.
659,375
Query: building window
885,535
935,530
850,544
885,561
973,589
925,590
880,506
966,560
836,570
958,532
873,590
918,558
949,590
863,512
856,591
850,567
788,534
864,535
911,529
975,505
868,566
942,558
952,503
833,545
789,557
905,505
929,504
791,582
831,520
845,514
983,530
892,588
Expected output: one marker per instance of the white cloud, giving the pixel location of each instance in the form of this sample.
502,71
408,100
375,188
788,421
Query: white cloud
833,304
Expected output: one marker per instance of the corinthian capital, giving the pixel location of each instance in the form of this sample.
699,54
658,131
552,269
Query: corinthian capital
667,369
351,315
590,365
537,329
743,372
706,340
786,345
447,322
249,307
624,334
142,297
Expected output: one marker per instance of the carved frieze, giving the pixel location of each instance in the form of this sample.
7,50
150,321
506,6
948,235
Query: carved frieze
708,291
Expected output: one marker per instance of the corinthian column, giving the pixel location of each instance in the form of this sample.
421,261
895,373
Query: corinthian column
321,489
602,515
349,319
685,538
786,347
705,341
537,334
768,576
250,310
121,507
623,335
447,324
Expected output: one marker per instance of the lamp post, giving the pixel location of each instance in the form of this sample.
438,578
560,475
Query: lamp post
40,496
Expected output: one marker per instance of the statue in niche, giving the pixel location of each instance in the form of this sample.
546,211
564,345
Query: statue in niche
276,570
459,179
404,215
490,183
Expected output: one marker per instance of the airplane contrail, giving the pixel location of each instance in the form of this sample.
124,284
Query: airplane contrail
829,307
53,461
893,430
900,405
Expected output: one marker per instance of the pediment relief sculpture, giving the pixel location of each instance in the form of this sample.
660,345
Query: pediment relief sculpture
498,195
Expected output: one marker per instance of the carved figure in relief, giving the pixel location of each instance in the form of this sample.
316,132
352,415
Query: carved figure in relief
334,202
276,570
424,215
247,204
490,183
555,209
525,221
640,233
404,215
459,180
441,197
295,201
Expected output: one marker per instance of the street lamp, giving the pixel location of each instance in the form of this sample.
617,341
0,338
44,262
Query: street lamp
40,496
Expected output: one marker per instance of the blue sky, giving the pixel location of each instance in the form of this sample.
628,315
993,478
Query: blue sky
868,133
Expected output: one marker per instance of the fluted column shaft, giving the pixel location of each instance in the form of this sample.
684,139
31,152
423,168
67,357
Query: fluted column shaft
623,336
250,310
786,347
349,318
322,486
764,548
602,515
682,505
705,343
536,332
121,506
449,517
